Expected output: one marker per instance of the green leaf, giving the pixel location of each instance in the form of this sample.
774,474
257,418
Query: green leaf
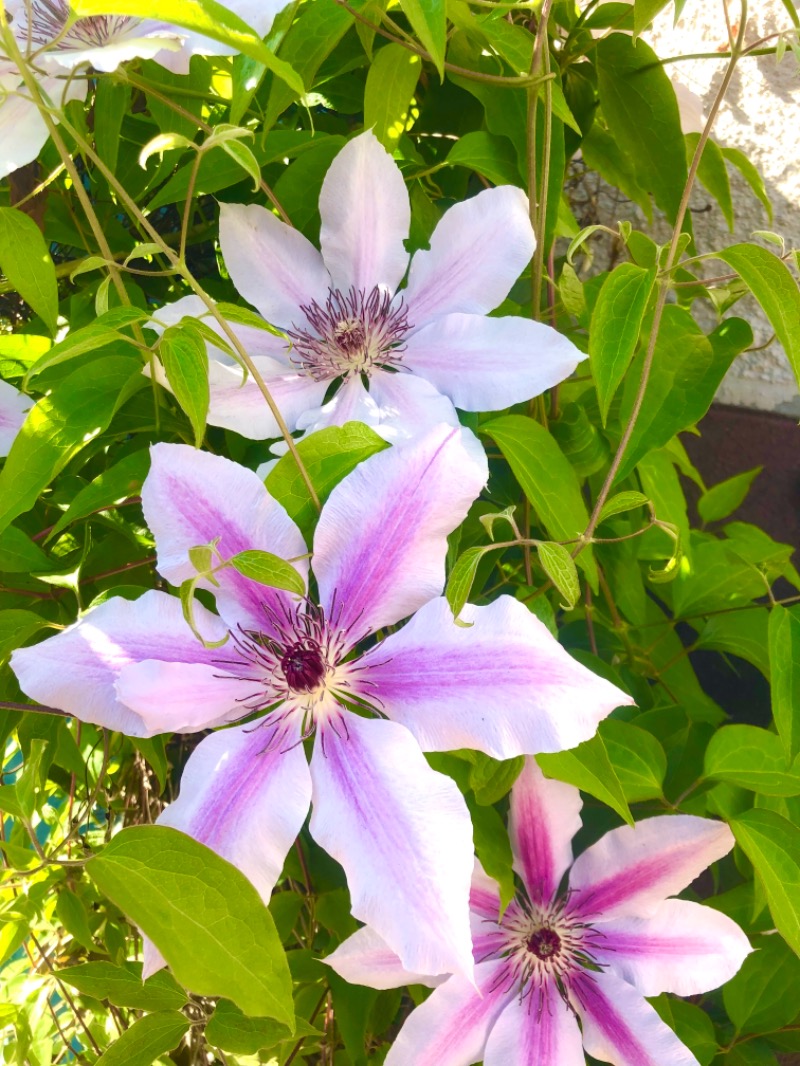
329,456
244,158
784,659
712,578
560,567
493,157
639,104
589,768
462,576
203,915
547,479
687,370
146,1040
751,758
756,998
622,502
185,360
751,175
491,779
269,569
15,628
772,844
25,261
123,985
391,81
723,499
203,16
57,428
644,11
103,331
493,848
637,757
774,286
19,554
120,481
743,633
616,324
713,173
111,100
71,912
228,1028
429,22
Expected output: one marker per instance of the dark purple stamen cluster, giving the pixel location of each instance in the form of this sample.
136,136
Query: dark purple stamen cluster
47,19
352,333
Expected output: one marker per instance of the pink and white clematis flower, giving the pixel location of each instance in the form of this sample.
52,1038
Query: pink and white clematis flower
590,955
420,350
56,44
13,408
400,830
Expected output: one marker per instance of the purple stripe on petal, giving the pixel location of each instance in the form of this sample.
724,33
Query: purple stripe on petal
621,1027
402,832
545,816
537,1030
631,870
453,1024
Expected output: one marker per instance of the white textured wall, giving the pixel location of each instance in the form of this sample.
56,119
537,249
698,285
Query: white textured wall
761,116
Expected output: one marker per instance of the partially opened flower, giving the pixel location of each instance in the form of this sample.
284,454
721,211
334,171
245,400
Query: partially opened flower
47,30
401,831
564,971
397,361
13,408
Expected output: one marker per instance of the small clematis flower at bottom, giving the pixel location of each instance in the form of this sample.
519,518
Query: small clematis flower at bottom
558,973
502,685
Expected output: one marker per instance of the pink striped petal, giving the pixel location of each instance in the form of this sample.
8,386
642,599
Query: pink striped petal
486,364
453,1024
273,266
631,870
190,498
620,1026
539,1030
365,959
365,217
381,540
77,670
245,801
402,832
13,408
503,685
484,895
478,250
544,817
683,948
242,407
182,697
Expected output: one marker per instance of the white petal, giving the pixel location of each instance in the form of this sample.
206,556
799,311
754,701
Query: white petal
539,1030
631,870
503,684
23,133
190,498
272,265
13,408
684,948
478,250
381,540
403,834
365,217
366,959
487,364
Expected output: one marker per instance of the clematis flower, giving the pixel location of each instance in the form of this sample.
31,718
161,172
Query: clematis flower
589,955
503,685
13,408
397,361
47,30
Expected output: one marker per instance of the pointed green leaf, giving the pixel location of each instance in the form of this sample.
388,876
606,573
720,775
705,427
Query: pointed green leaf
269,569
147,1040
185,360
772,844
25,261
560,567
391,81
589,768
429,22
784,660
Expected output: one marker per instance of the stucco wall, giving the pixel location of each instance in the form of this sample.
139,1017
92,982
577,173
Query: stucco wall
761,116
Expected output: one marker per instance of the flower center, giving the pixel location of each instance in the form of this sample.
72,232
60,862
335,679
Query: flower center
304,667
352,333
544,943
48,19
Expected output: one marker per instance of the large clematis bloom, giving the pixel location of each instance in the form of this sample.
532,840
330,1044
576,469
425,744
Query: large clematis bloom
591,954
56,43
400,830
397,361
13,408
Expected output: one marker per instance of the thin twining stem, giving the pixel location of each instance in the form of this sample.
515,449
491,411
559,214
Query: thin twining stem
663,291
